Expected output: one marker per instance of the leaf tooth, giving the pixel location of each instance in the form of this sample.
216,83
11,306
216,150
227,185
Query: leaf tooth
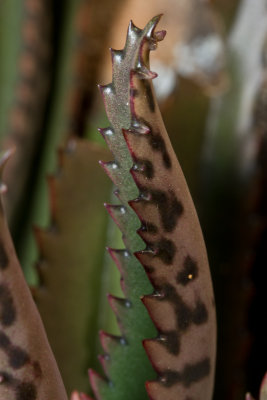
137,127
116,56
151,302
142,72
121,259
138,204
150,27
160,35
117,193
109,342
119,215
133,32
151,346
97,382
107,134
104,360
142,166
147,229
144,256
120,308
106,91
153,388
112,170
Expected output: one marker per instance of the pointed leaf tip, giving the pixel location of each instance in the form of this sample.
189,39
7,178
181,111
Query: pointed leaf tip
160,35
133,29
145,73
96,381
79,396
150,27
108,341
116,55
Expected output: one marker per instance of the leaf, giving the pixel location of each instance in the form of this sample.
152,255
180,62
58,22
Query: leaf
27,366
26,70
181,302
71,258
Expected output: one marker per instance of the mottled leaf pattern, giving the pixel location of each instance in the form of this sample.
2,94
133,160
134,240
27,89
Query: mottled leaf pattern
172,250
27,366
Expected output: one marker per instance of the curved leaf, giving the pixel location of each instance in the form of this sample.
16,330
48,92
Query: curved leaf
182,304
71,259
27,366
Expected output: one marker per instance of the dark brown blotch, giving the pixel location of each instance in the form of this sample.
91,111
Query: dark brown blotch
188,273
134,92
165,250
144,166
3,256
157,143
26,391
171,341
149,269
8,311
195,372
191,373
170,209
23,390
17,357
149,95
148,227
185,315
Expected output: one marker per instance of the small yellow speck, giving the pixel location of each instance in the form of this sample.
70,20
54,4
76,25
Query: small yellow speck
190,276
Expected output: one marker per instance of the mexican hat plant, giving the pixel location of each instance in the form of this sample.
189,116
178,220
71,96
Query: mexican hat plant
166,347
164,264
168,245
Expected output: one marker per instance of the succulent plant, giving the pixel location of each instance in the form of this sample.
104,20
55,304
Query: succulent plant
163,344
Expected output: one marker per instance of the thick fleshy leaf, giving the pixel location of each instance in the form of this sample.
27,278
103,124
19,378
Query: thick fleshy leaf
171,248
27,366
71,258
